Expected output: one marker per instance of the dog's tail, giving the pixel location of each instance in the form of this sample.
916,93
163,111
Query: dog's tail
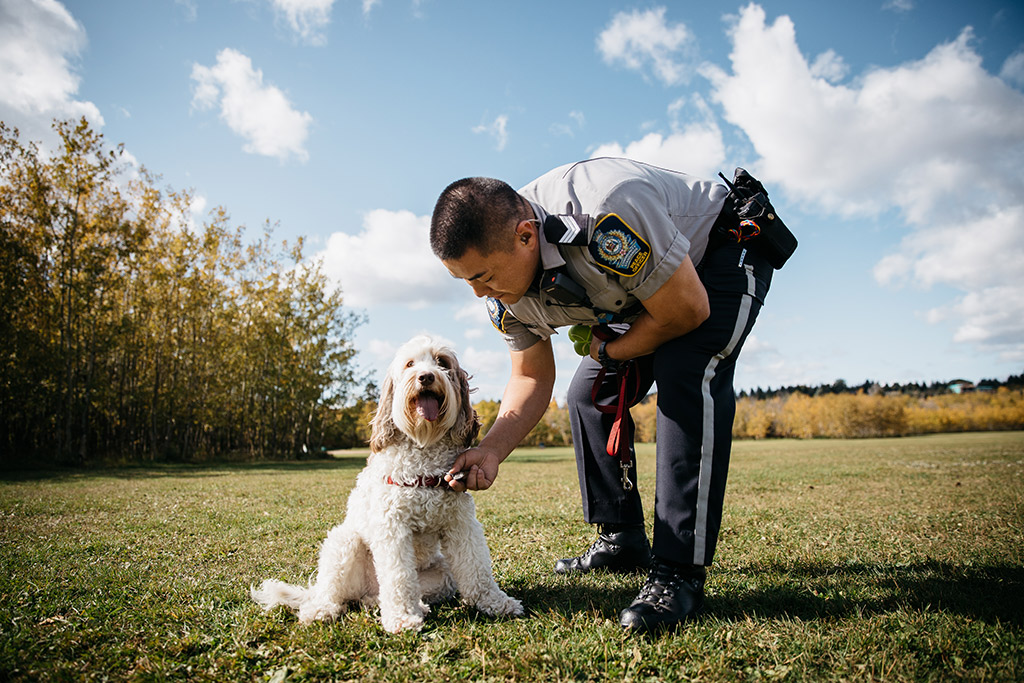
273,593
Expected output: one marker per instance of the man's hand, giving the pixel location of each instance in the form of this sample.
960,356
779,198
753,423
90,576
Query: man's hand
480,466
526,397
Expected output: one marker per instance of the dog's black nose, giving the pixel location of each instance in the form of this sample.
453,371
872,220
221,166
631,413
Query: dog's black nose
426,379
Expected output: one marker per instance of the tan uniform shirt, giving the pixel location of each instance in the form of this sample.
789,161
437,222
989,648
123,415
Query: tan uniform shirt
628,226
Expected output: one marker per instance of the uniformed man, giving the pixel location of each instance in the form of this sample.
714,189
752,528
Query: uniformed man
631,246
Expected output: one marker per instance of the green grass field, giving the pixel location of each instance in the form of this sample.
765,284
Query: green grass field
891,560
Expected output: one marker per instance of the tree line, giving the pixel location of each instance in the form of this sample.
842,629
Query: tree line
860,415
811,414
129,333
918,389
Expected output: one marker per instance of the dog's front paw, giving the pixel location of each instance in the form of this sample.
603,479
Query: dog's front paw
401,621
501,606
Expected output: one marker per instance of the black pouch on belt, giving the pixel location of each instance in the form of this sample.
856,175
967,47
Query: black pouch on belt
758,221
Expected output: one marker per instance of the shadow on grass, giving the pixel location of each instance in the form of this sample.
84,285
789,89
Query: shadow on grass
568,597
809,592
212,469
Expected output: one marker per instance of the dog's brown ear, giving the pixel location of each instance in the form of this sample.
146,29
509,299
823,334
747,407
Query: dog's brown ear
469,422
383,431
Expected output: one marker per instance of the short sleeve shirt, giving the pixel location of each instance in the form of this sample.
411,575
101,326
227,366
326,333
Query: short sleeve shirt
636,223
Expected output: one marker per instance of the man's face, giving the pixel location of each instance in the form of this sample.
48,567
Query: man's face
502,275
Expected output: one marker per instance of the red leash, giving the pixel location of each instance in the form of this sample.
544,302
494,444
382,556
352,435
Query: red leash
619,439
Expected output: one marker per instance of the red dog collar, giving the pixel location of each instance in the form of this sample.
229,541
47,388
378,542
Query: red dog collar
420,482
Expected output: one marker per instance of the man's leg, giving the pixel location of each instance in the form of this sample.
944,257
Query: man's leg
622,542
696,406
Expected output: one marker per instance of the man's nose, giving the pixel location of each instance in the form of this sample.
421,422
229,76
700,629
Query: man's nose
480,289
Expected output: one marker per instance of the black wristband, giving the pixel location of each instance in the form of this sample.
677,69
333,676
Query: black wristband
604,359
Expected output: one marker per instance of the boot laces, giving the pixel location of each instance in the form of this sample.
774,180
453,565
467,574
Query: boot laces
663,581
599,545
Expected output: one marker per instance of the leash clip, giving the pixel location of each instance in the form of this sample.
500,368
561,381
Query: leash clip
627,484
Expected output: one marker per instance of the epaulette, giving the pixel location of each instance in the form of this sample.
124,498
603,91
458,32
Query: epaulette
569,229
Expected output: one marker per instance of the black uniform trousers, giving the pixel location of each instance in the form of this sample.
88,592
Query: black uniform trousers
696,406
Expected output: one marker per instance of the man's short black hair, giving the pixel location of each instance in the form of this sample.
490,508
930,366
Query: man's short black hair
473,212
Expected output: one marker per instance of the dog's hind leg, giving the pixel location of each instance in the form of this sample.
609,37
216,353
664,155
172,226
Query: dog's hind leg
465,547
340,577
436,580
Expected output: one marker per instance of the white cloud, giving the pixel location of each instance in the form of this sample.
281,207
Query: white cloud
259,113
974,254
939,139
388,262
190,217
830,66
899,6
980,257
991,316
308,18
694,147
380,352
904,136
569,129
641,41
39,44
496,361
497,129
764,365
189,8
1013,69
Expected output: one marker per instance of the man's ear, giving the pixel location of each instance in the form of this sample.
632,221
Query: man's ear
526,231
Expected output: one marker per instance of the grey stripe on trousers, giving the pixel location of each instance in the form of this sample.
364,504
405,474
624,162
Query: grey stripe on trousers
708,442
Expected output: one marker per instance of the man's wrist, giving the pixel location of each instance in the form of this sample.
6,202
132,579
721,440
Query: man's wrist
604,358
499,452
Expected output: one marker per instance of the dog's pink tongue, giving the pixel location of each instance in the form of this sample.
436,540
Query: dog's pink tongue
426,406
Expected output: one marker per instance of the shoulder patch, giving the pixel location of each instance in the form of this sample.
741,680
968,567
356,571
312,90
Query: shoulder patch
498,314
616,247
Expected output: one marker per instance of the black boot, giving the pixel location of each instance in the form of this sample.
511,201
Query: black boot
672,594
618,548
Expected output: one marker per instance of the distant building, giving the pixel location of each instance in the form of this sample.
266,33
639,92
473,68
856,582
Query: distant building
960,386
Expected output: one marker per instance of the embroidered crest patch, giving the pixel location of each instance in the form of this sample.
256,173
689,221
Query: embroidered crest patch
616,247
497,313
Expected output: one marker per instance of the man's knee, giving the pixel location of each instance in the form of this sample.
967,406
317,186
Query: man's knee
580,388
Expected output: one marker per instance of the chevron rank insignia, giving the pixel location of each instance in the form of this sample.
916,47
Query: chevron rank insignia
616,247
569,229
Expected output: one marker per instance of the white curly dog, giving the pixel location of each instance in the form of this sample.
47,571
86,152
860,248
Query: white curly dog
408,539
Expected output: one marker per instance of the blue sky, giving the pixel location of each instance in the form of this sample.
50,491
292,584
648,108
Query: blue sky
890,134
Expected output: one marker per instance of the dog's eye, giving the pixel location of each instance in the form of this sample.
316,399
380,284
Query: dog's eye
410,364
443,362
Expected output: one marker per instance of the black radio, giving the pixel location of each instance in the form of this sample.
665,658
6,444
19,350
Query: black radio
758,221
563,289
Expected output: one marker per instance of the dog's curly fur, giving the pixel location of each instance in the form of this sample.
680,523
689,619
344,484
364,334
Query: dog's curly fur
402,545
